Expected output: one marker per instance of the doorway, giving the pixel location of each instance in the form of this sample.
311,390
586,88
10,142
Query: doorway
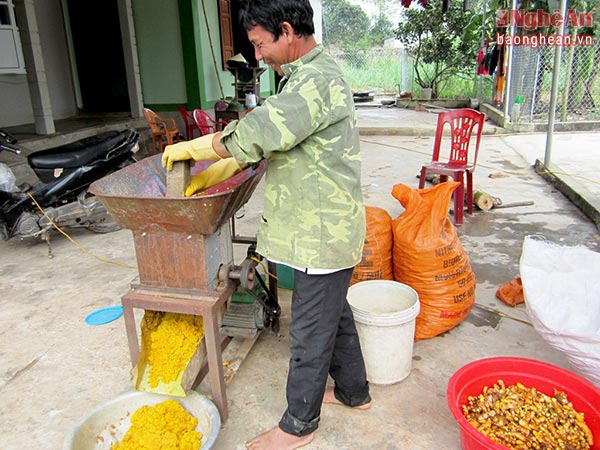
98,53
241,44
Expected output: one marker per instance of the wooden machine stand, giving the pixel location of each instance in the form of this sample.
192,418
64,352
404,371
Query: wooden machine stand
206,305
183,273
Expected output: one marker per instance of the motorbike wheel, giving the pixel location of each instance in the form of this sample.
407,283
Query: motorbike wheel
106,226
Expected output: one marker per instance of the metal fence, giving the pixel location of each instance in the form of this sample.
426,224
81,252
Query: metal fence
382,71
386,71
531,70
391,71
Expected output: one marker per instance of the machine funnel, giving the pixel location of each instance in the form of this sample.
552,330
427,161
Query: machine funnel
135,197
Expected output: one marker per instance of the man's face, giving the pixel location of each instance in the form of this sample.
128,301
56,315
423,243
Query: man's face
266,48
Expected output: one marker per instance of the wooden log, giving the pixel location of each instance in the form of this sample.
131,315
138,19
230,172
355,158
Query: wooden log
483,201
178,179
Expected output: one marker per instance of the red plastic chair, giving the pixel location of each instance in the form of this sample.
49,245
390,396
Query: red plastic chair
190,123
462,122
207,124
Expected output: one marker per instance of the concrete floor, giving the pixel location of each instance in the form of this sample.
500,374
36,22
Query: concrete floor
55,368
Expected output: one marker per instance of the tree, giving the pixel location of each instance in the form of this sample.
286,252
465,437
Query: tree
442,43
381,30
405,3
344,25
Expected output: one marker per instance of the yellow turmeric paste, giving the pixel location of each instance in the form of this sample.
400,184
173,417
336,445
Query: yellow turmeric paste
172,340
164,426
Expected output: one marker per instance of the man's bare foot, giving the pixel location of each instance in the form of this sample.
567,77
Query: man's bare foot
277,439
329,397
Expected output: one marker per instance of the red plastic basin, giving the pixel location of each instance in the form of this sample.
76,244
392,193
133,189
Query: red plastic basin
472,378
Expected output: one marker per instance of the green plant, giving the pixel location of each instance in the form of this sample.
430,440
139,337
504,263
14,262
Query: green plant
442,43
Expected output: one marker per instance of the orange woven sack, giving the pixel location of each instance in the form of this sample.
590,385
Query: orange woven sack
376,263
429,257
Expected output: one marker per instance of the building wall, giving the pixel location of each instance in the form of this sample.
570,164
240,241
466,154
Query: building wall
56,57
161,60
160,55
212,90
15,108
318,19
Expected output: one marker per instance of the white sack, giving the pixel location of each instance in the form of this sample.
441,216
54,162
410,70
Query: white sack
7,179
562,296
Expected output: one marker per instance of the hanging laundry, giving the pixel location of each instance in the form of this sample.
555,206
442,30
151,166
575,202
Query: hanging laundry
500,74
481,63
493,59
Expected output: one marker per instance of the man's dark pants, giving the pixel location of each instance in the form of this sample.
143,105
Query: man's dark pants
323,340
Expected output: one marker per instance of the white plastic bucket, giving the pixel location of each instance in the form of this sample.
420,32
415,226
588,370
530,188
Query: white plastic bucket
385,314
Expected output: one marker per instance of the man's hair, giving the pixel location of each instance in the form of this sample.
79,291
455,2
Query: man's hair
270,14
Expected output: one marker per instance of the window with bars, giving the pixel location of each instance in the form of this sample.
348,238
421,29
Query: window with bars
11,54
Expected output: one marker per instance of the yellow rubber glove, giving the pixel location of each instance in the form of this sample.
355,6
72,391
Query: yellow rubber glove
199,149
214,174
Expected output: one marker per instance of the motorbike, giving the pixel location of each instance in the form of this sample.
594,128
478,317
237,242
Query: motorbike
59,198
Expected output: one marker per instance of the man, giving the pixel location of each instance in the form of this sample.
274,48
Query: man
313,218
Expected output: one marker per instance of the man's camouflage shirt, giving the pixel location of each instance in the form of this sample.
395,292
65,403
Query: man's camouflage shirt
313,208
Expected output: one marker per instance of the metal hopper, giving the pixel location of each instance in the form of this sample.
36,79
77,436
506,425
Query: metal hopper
135,197
180,242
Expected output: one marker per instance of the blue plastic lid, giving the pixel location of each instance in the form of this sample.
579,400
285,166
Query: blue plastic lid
104,315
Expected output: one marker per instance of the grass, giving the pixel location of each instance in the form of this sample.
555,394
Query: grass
372,72
381,72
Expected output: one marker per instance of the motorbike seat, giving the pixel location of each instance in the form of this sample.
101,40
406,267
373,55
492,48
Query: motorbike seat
78,153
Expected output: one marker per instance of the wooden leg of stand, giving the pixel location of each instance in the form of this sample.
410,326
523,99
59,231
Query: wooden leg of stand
204,370
132,337
200,305
215,364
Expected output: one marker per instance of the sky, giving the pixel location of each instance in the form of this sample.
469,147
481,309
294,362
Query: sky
394,8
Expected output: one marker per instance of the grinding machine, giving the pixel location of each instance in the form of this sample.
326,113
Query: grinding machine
184,252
